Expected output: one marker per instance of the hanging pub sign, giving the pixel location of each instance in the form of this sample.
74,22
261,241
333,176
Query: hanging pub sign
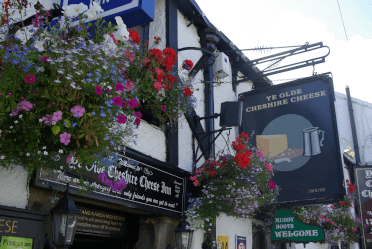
150,184
363,176
240,242
133,12
295,124
286,228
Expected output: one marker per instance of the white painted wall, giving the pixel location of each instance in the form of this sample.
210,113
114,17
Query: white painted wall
188,37
14,191
230,226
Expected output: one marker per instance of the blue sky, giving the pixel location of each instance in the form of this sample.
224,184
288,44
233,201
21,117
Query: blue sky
250,24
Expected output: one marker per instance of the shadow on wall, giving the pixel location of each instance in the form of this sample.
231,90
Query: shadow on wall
146,236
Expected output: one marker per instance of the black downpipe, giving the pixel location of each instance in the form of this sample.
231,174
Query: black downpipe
353,129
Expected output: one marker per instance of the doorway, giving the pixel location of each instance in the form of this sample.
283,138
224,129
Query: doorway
98,242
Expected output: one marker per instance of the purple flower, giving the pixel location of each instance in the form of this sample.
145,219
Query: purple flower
117,100
120,185
25,105
163,108
65,138
78,111
15,112
47,119
57,116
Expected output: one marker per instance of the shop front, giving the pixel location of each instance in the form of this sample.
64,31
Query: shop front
143,215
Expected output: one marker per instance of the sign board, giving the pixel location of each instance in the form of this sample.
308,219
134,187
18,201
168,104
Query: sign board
295,123
148,186
133,12
223,242
241,242
9,242
14,226
286,228
102,223
363,176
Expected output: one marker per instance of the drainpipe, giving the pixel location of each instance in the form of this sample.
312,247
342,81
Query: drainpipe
353,129
211,38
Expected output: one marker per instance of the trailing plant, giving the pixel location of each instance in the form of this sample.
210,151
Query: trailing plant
338,222
64,91
236,185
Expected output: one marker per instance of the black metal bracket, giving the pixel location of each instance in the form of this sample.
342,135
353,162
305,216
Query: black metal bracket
207,54
272,69
206,135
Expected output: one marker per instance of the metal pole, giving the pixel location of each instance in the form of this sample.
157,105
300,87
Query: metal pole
353,129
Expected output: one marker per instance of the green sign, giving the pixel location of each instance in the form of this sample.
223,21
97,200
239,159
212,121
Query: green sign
8,242
287,228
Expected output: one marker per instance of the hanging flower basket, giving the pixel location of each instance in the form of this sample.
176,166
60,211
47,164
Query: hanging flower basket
236,185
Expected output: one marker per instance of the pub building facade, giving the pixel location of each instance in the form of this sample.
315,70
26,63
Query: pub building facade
158,165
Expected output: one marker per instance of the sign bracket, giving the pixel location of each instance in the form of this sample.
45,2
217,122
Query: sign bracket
276,58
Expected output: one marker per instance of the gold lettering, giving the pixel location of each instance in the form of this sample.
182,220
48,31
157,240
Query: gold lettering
278,103
9,227
271,104
311,95
306,96
299,98
14,226
259,107
293,99
317,94
264,106
299,91
285,101
282,95
1,225
254,108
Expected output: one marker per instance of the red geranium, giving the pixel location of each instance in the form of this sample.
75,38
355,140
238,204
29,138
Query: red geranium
187,91
170,58
134,36
154,52
187,64
169,80
243,159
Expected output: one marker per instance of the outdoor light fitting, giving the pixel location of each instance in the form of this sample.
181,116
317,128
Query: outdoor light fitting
183,234
64,219
348,152
230,116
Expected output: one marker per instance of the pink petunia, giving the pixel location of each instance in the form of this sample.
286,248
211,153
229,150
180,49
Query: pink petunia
119,87
98,90
196,182
137,121
25,105
117,100
326,219
271,184
107,90
47,119
129,55
77,111
133,103
44,59
163,108
29,79
129,86
15,112
260,153
121,119
138,114
157,85
269,167
57,116
65,138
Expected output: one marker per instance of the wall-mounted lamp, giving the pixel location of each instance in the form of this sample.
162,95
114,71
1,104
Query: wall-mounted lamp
183,234
349,151
64,219
230,116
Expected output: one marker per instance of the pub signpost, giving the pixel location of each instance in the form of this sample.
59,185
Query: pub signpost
295,123
363,177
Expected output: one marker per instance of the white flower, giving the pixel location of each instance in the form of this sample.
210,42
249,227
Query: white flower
40,120
60,151
11,127
61,167
40,69
45,153
16,121
39,45
122,33
74,10
92,12
39,152
20,116
2,157
44,147
54,122
109,87
28,154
